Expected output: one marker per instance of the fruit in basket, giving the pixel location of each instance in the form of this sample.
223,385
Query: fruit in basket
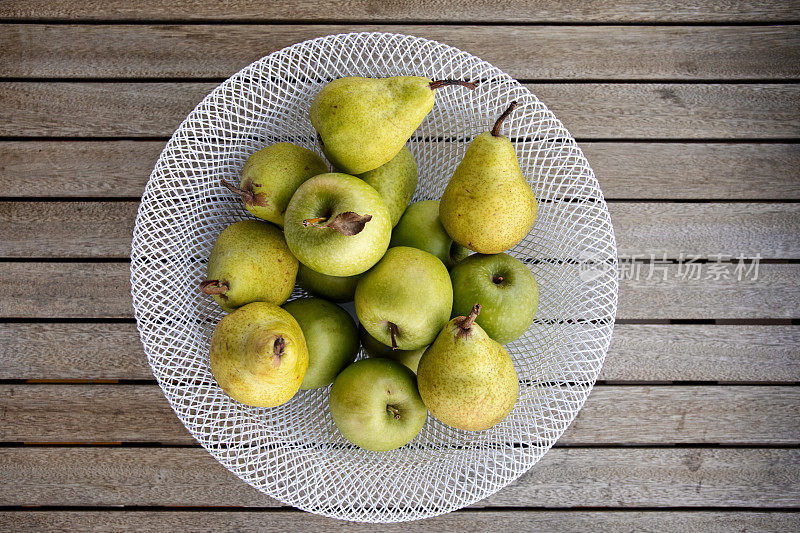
421,228
250,262
364,122
395,181
406,299
504,287
259,355
488,206
375,404
270,177
466,379
331,338
337,224
375,348
334,288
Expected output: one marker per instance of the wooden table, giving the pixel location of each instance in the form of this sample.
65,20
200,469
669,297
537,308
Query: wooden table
688,112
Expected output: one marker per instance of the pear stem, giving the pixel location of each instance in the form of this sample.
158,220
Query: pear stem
468,321
393,334
247,194
499,122
391,409
277,351
213,286
445,83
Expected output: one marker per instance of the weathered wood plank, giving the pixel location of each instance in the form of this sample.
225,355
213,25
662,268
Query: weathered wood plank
411,11
637,170
525,52
641,415
638,352
104,229
589,111
564,478
463,521
102,290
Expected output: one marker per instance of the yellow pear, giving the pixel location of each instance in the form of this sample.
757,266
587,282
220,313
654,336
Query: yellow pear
488,205
259,355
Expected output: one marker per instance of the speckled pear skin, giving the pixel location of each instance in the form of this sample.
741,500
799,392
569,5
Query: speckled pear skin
244,360
395,181
488,205
326,250
409,288
252,258
467,382
274,173
364,122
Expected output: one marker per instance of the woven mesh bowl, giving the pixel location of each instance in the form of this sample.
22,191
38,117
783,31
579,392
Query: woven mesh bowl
294,453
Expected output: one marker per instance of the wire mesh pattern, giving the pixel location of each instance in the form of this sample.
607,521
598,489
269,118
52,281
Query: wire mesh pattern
294,453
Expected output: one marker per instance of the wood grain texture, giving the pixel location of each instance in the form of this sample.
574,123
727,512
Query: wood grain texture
624,477
104,229
638,352
412,11
525,52
641,415
464,521
590,111
637,170
102,290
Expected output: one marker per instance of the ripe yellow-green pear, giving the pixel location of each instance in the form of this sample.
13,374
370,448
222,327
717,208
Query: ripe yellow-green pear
259,355
466,379
250,262
270,177
375,348
488,206
364,122
334,288
337,224
395,181
406,299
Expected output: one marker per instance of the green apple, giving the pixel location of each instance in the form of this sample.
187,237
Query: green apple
335,288
331,337
406,299
376,405
337,225
375,348
420,228
504,287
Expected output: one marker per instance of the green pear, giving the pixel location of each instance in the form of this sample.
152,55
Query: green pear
250,262
334,288
375,404
363,122
504,287
421,228
331,337
395,181
406,299
337,225
259,355
466,379
488,206
374,348
270,177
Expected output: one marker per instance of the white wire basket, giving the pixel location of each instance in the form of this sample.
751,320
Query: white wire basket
294,453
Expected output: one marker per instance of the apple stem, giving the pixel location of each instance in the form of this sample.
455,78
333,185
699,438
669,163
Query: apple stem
444,83
499,122
497,280
393,334
247,194
348,223
277,351
314,222
391,409
213,286
466,323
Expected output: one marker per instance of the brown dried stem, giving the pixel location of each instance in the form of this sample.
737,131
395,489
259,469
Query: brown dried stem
499,122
